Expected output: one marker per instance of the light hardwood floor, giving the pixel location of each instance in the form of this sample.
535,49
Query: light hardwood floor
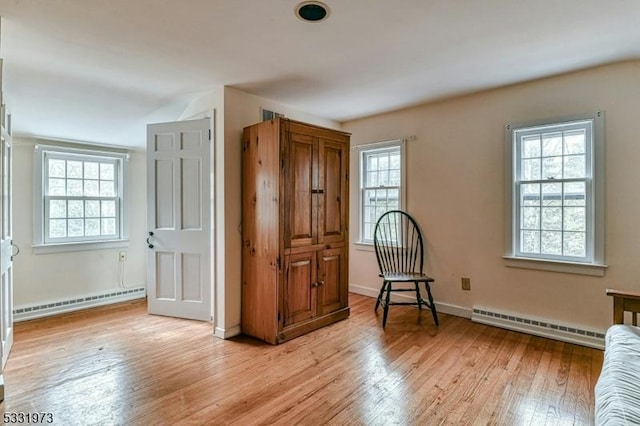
118,365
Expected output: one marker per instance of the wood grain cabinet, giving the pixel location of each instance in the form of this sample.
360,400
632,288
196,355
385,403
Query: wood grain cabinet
294,228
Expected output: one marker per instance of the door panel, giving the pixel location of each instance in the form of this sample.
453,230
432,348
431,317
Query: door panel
300,300
332,276
191,193
333,191
165,182
178,204
302,179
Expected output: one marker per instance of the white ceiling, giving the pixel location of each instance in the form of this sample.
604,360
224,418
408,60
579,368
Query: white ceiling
99,70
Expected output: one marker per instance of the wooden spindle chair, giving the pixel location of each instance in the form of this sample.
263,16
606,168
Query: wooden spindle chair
399,249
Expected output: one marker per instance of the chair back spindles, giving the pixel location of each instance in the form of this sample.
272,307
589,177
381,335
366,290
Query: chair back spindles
398,242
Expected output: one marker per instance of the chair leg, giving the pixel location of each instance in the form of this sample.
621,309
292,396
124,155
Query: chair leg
379,296
386,304
431,304
418,296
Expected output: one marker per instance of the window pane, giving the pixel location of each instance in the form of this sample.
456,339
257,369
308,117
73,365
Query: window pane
551,242
575,244
530,218
74,169
57,209
76,209
91,170
393,200
531,169
108,209
530,242
551,218
574,166
92,227
531,146
575,219
552,194
574,194
551,144
107,189
57,187
76,228
92,208
395,160
530,194
394,178
106,171
57,228
108,226
575,142
57,168
74,187
383,178
368,233
372,162
552,168
372,179
91,188
383,162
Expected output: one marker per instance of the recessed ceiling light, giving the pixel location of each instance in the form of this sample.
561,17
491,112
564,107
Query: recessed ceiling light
312,11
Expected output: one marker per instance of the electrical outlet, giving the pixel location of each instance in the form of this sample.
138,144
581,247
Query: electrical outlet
122,256
466,283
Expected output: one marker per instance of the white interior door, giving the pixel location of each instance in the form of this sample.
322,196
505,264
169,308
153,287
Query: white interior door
178,218
6,254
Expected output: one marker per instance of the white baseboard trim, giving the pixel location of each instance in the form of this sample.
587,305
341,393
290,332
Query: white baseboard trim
24,313
445,308
222,333
509,321
539,327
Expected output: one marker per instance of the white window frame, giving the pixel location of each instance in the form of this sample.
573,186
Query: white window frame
42,244
593,263
363,150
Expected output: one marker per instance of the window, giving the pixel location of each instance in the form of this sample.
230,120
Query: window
556,191
381,183
79,196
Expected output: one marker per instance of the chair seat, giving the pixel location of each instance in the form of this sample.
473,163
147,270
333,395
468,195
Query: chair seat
406,277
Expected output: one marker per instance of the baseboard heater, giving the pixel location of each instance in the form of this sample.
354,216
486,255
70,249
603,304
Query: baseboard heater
113,296
538,327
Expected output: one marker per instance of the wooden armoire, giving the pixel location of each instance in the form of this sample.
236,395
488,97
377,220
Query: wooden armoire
295,211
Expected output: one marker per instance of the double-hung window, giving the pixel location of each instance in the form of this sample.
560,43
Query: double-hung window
381,183
79,196
556,191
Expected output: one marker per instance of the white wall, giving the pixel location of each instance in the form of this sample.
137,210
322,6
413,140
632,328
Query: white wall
455,190
40,278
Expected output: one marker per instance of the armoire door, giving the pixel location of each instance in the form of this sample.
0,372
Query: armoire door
332,279
300,288
333,191
300,187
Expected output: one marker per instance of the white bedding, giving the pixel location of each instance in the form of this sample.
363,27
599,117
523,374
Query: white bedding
618,389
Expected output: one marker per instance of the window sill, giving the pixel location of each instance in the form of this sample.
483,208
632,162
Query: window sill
593,269
359,245
79,246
